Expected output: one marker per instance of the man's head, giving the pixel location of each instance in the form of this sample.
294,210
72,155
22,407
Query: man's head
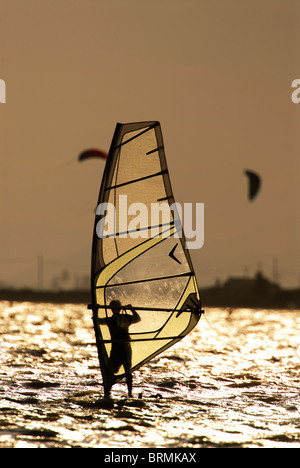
115,306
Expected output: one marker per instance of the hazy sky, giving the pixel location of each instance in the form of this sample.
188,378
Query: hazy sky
216,74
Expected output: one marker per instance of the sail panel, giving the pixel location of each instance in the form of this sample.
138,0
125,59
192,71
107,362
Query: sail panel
137,148
149,264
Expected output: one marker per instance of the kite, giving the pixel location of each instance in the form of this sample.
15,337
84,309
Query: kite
92,153
254,184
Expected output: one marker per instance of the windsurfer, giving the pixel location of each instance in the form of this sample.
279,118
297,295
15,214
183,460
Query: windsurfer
121,352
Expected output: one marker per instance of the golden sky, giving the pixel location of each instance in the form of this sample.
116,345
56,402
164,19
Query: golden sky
217,74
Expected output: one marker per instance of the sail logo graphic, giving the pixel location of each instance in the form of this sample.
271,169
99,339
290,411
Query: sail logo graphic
135,221
2,92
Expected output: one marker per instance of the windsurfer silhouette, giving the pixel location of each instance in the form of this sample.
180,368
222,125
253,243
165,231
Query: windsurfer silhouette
121,352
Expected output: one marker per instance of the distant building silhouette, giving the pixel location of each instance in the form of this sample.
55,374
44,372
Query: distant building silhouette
257,292
246,288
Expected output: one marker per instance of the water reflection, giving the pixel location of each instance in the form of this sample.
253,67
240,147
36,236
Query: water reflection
232,382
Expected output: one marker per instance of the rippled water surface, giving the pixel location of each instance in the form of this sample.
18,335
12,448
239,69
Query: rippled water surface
233,382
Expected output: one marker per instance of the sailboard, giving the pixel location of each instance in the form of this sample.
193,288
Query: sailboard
144,269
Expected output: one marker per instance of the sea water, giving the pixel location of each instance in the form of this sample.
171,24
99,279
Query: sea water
232,382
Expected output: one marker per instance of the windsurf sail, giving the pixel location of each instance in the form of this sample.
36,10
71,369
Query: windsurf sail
141,269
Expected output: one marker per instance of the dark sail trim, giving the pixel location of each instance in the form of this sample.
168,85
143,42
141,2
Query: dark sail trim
143,280
169,197
136,136
155,150
137,180
116,234
142,339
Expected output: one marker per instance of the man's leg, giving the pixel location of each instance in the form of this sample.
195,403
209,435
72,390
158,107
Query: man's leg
129,384
127,367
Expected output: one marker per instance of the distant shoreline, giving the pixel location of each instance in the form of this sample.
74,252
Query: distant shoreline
216,296
55,297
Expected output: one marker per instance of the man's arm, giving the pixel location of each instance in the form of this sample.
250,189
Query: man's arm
135,316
